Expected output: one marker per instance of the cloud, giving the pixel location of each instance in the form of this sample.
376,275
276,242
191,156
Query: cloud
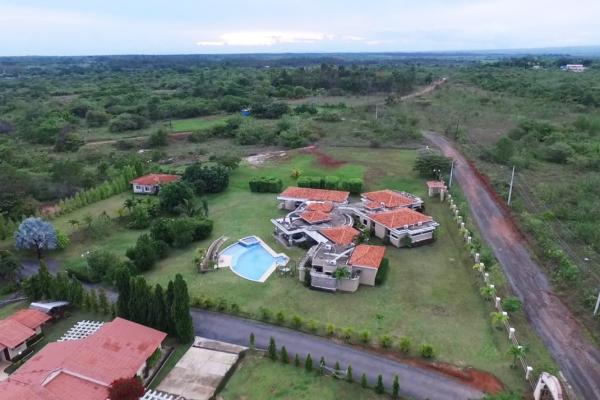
264,38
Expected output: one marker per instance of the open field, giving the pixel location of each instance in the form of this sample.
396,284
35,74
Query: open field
258,378
192,124
431,295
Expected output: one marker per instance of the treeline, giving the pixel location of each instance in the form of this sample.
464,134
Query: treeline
166,310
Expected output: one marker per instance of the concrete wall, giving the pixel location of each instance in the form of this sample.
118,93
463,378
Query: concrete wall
12,353
367,275
144,189
348,285
380,231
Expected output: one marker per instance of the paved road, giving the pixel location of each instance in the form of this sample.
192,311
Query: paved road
578,358
415,382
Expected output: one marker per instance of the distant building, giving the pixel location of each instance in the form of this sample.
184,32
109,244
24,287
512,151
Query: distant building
245,112
574,67
150,184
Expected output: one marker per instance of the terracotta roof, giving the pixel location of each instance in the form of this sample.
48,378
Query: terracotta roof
389,198
399,218
67,386
11,390
155,179
341,235
12,333
325,207
32,319
365,255
68,369
308,194
313,217
436,184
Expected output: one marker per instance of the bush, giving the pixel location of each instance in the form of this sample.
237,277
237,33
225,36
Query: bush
96,118
179,232
173,195
427,351
512,304
158,138
280,317
404,345
139,218
102,263
265,314
62,240
364,383
330,329
347,334
365,336
352,185
235,308
315,182
559,153
385,341
265,184
331,182
313,326
127,122
382,272
297,322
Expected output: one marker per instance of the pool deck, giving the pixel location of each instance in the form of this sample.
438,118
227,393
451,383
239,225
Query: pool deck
225,261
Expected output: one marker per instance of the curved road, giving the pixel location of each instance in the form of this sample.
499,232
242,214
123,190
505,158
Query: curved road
578,358
415,382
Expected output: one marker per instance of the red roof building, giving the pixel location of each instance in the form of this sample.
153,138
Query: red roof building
342,235
149,184
32,319
308,194
324,207
403,217
13,334
85,368
389,199
315,217
368,256
17,329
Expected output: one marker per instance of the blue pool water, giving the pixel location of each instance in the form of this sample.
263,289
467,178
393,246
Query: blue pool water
252,261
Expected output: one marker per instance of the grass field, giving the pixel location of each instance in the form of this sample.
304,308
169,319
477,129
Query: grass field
258,378
432,295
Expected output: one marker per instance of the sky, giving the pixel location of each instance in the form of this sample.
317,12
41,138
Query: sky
89,27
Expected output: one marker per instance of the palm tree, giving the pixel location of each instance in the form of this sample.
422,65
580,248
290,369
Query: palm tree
89,220
499,318
129,204
73,223
517,352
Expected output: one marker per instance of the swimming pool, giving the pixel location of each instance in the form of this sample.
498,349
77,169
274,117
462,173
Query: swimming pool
251,259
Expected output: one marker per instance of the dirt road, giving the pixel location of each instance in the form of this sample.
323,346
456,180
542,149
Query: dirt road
578,358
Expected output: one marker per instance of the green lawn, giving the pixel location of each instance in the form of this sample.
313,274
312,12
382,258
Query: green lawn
432,294
12,308
258,378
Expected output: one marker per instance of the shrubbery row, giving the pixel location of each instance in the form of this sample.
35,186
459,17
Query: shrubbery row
352,185
265,184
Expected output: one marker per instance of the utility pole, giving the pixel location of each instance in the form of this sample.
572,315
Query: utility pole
512,180
597,304
451,173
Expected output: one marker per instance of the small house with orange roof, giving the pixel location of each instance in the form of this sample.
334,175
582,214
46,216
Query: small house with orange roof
150,184
385,200
292,197
19,330
436,188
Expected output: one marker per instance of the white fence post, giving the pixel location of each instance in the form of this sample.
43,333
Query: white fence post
528,372
511,333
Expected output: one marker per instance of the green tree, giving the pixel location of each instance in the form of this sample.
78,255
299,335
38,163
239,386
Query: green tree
349,376
158,138
173,195
395,388
253,341
207,177
123,285
144,255
93,301
284,355
180,311
308,364
379,388
158,309
10,266
431,164
427,351
364,383
272,349
103,302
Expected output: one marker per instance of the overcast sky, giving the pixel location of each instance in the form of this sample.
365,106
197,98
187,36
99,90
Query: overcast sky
82,27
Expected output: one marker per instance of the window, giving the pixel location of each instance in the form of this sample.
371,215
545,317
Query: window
138,187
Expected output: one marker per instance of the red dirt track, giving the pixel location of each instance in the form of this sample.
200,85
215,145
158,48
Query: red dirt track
578,358
324,160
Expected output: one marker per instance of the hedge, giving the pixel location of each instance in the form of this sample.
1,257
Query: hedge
382,272
352,185
265,184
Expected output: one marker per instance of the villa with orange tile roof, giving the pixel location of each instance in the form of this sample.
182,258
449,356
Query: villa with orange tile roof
150,184
323,220
19,329
85,368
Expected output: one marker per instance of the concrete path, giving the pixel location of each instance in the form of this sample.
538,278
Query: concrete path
415,382
577,356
